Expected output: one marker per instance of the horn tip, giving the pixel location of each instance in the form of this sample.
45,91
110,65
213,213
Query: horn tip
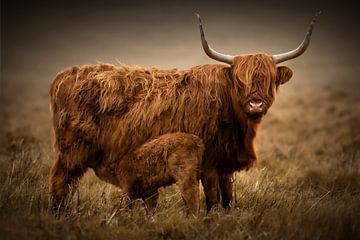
317,15
199,18
314,19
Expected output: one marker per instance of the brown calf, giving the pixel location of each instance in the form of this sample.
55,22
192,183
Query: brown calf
170,158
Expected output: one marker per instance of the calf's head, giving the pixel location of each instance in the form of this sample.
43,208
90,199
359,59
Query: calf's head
256,77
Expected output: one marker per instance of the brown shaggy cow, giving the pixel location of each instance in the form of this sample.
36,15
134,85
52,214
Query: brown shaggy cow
170,158
102,113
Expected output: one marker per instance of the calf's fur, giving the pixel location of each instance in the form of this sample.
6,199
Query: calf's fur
170,158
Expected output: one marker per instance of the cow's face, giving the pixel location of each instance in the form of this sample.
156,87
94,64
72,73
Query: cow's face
258,79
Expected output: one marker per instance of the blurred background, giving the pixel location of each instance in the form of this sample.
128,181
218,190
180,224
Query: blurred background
41,38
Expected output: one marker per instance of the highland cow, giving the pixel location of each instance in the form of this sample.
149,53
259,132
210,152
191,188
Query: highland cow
170,158
102,113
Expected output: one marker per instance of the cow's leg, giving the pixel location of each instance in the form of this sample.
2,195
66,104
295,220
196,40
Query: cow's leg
63,179
226,188
210,182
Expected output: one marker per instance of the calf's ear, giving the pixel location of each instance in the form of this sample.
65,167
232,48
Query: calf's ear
283,74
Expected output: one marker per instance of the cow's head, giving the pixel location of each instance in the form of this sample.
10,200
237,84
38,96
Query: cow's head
256,77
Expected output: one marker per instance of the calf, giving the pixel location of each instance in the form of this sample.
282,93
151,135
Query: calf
170,158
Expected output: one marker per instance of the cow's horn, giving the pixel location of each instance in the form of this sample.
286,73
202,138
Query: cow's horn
211,52
279,58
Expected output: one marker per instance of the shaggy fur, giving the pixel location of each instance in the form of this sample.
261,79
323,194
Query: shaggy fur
103,112
170,158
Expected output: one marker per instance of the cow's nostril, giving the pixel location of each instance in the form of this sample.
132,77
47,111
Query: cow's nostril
256,104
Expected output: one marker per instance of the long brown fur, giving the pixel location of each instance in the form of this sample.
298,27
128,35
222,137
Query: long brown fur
103,112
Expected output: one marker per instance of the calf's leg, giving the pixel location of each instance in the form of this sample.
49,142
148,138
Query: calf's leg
186,175
151,202
190,193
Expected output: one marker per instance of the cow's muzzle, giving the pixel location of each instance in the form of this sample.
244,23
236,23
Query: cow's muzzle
255,109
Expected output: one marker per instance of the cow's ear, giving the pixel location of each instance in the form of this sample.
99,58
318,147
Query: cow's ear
283,74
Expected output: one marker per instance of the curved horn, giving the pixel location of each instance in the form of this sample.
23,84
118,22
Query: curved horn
301,48
211,52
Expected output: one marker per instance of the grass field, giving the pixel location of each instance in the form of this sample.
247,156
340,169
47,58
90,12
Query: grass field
306,184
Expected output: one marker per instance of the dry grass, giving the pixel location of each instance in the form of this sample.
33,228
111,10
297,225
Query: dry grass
306,185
